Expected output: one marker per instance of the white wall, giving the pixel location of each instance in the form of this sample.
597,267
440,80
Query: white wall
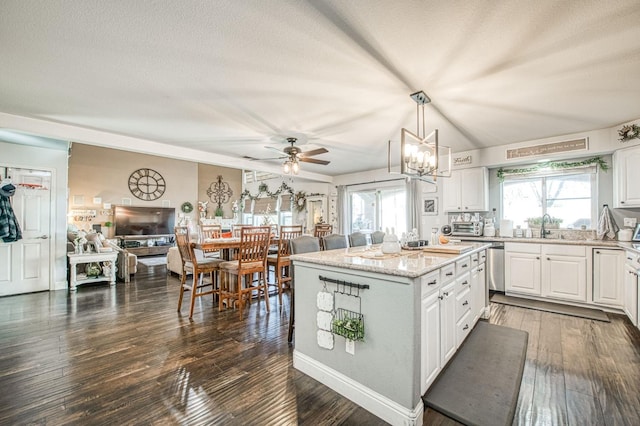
53,158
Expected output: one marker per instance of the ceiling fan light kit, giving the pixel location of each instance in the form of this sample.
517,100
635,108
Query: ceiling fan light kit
421,155
294,155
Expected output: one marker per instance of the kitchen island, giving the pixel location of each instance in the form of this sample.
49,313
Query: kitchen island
414,308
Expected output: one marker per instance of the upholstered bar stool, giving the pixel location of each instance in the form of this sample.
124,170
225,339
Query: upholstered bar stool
357,239
302,244
334,241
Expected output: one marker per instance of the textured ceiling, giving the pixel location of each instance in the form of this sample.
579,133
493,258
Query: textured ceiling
231,76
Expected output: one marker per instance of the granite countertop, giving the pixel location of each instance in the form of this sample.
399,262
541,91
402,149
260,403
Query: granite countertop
409,263
597,243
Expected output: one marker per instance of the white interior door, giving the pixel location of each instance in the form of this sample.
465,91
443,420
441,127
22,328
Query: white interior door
25,264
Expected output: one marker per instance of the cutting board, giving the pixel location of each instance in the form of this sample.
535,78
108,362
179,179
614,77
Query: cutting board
448,248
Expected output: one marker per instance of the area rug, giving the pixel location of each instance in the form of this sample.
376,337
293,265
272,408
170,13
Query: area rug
556,308
153,260
480,385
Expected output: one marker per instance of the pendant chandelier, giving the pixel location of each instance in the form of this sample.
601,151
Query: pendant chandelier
421,155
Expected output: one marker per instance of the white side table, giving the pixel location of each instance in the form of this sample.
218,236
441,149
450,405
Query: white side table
80,259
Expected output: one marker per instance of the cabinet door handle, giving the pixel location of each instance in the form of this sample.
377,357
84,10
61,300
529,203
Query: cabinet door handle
548,258
445,293
441,297
598,252
629,258
537,257
432,282
465,303
449,274
466,327
480,269
621,202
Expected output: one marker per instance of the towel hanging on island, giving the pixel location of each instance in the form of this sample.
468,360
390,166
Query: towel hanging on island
607,226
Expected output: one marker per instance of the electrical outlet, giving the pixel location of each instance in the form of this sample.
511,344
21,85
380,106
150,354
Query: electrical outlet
630,221
351,347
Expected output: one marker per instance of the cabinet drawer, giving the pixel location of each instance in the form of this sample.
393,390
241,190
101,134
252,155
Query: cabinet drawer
463,328
463,303
430,283
482,257
463,265
448,273
522,248
474,259
463,282
563,250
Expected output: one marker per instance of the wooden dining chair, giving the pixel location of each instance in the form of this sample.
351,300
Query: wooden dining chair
357,239
198,268
334,241
302,244
251,260
321,230
211,232
237,228
280,260
377,237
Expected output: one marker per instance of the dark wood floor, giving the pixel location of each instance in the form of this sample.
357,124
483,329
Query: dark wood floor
124,355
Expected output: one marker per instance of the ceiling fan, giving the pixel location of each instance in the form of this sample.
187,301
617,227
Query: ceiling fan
294,155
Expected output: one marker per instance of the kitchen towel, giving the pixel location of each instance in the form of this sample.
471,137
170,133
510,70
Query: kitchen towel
607,226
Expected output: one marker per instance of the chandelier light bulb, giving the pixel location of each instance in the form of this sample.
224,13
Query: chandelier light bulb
295,167
286,168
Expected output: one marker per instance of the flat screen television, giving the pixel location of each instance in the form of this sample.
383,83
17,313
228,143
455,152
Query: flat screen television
131,220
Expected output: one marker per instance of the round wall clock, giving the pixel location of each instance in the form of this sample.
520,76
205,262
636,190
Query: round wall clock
186,207
147,184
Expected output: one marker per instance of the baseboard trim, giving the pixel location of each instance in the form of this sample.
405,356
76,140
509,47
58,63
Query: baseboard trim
379,405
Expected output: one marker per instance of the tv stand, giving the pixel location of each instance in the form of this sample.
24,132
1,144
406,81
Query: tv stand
147,245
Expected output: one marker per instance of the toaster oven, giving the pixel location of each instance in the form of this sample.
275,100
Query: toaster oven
467,229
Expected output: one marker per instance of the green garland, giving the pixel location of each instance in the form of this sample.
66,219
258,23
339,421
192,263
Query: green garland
598,161
263,189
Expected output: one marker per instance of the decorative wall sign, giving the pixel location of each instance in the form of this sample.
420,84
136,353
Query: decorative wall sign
549,148
219,192
430,206
459,161
147,184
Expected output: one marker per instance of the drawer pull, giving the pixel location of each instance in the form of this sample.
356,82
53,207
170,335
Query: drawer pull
432,282
465,282
449,274
445,293
475,260
465,303
465,266
480,269
466,327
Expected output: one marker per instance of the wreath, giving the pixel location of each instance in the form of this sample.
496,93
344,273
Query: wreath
300,200
629,132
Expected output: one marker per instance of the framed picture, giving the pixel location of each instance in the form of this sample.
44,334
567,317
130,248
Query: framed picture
430,206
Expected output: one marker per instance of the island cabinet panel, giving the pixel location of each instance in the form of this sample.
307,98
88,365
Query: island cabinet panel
447,322
430,341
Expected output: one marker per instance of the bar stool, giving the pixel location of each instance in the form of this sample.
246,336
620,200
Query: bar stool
302,244
198,267
251,259
280,260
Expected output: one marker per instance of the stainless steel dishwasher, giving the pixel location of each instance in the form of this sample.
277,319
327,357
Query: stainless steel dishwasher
495,265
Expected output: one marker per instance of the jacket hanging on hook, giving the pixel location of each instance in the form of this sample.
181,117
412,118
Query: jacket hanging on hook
9,227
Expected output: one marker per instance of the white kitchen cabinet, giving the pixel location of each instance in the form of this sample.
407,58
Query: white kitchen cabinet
608,282
447,322
467,190
626,175
564,272
522,268
478,290
630,294
430,353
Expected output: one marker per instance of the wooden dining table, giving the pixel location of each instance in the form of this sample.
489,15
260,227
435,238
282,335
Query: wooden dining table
224,245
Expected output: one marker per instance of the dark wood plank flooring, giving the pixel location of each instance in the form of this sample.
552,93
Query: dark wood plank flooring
124,355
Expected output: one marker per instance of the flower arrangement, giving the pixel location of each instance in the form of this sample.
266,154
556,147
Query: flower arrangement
628,132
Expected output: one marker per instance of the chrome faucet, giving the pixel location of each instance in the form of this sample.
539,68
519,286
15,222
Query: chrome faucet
544,232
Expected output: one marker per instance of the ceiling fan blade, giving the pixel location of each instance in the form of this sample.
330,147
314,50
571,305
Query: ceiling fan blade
314,152
313,160
275,149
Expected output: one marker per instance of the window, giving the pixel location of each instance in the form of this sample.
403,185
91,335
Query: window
569,197
378,209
